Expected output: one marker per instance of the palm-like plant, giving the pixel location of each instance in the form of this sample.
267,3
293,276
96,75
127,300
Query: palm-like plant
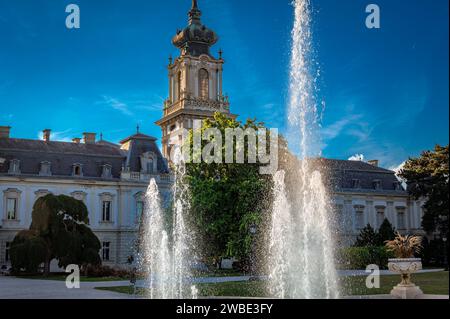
404,246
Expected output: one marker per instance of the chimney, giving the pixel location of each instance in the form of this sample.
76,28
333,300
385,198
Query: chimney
89,138
76,140
46,135
4,131
373,162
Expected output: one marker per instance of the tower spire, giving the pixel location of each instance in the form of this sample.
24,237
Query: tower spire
194,13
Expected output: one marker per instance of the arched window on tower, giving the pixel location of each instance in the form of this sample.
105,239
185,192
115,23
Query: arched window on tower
203,84
179,85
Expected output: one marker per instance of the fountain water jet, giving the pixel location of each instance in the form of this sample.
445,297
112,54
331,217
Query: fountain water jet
301,251
164,258
154,254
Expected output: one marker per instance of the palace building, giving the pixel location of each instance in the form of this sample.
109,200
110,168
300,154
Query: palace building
111,179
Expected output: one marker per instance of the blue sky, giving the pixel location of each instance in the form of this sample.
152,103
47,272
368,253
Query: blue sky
386,90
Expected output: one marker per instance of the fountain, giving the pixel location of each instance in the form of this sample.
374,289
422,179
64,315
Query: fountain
164,253
301,259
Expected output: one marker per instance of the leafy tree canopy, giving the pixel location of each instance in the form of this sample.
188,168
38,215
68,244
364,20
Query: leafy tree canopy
227,199
427,177
59,229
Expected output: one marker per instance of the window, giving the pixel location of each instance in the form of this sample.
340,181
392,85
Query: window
359,216
359,220
139,210
149,163
7,251
179,78
203,84
401,219
380,217
355,183
105,250
11,208
398,186
150,166
14,167
77,170
376,184
45,169
106,171
106,209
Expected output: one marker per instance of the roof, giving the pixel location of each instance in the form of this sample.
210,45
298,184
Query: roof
61,155
92,157
139,146
342,173
138,136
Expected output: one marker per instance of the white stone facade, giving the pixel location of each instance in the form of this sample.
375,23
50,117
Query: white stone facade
119,230
355,210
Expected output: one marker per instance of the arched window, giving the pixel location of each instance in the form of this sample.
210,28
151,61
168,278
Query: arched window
203,84
179,86
77,170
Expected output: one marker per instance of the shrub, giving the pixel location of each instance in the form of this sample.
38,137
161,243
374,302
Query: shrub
386,232
361,257
28,252
367,237
106,271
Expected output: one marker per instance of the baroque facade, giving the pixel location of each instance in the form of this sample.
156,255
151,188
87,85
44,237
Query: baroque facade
111,179
364,193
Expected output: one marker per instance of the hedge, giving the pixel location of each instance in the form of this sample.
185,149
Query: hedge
361,257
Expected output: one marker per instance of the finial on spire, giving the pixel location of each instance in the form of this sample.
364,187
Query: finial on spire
220,54
137,129
101,136
194,13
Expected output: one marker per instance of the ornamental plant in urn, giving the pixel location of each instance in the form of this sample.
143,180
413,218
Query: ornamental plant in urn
404,248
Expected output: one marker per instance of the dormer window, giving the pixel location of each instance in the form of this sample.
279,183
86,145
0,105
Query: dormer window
14,166
77,170
398,186
106,171
149,163
356,183
45,169
376,184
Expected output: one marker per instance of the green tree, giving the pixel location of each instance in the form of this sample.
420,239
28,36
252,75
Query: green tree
367,237
28,251
427,177
59,230
386,232
227,199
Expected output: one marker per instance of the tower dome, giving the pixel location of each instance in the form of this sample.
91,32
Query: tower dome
196,38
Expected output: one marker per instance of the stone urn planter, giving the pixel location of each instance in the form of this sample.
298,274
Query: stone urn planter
406,289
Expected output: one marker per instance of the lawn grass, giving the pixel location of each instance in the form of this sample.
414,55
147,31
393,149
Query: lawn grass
434,283
430,283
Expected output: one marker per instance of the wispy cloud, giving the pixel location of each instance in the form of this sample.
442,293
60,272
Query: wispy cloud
116,105
59,136
333,130
7,117
132,104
